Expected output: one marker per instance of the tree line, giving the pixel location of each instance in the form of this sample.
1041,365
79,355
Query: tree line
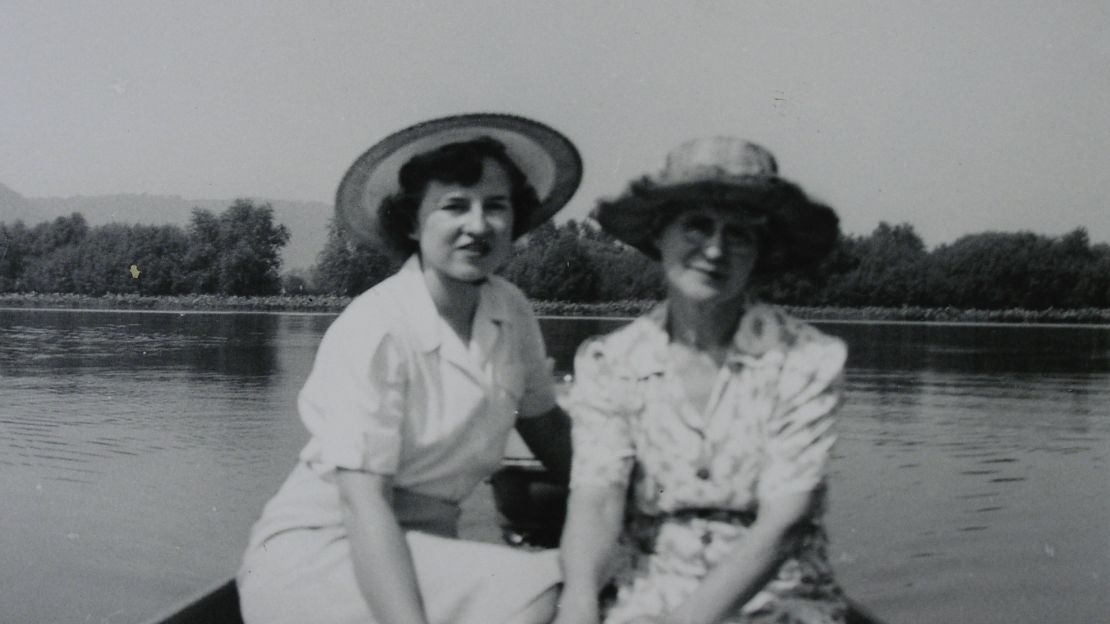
890,267
233,253
238,253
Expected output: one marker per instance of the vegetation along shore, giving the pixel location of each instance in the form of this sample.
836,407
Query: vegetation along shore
231,261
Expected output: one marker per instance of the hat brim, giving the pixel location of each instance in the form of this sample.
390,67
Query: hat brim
796,230
548,159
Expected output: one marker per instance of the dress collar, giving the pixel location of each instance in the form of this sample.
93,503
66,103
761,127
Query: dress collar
758,333
420,310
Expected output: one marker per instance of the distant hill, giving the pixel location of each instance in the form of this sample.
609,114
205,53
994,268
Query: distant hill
307,221
14,206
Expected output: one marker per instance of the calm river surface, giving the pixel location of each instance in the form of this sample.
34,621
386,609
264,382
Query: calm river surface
971,482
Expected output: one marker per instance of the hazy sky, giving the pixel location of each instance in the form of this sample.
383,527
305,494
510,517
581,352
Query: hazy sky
954,116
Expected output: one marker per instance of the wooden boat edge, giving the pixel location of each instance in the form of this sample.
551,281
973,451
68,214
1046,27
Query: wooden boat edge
219,604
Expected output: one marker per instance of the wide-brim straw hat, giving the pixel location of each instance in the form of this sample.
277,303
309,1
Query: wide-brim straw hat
547,158
733,173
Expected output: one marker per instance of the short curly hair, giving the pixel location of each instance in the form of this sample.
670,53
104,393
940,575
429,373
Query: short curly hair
454,163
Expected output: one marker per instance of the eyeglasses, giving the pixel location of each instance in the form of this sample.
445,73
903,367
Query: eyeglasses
698,229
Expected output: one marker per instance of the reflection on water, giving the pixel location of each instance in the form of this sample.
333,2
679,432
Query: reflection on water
135,448
996,349
972,473
128,343
970,481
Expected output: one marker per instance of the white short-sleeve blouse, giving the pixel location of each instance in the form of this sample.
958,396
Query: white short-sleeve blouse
394,391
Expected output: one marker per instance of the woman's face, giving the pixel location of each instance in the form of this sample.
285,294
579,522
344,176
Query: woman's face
465,232
707,254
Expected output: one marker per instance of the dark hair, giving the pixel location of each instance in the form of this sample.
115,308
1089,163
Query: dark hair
454,163
796,234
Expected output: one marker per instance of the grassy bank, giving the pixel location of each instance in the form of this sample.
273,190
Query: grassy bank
870,313
277,303
331,303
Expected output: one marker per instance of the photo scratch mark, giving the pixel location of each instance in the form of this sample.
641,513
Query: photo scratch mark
778,102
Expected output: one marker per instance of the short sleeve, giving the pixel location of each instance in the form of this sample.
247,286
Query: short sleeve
353,400
800,430
602,438
539,382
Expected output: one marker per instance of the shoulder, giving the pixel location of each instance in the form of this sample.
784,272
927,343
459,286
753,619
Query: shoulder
810,359
614,346
630,351
605,376
767,328
366,321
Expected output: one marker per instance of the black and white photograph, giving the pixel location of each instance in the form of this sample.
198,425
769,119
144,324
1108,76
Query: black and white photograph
568,312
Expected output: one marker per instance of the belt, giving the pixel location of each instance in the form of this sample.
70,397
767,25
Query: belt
643,530
427,514
742,517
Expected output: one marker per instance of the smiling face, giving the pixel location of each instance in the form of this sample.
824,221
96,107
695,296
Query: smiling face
465,232
708,254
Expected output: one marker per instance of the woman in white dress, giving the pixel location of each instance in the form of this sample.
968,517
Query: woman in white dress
414,390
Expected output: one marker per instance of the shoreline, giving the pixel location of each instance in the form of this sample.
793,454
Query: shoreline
332,304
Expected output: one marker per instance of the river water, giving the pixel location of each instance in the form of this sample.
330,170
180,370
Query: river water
971,482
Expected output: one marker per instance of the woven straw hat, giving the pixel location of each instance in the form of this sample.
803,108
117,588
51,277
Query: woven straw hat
546,157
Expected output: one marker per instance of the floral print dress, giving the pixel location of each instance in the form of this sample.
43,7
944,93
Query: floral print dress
695,480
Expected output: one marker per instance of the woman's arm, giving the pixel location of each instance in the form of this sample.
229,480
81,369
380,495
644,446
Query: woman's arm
594,515
750,564
379,552
548,437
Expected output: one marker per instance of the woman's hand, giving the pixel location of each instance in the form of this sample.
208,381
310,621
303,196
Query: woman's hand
590,534
750,564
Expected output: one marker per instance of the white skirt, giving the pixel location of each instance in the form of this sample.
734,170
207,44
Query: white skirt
306,575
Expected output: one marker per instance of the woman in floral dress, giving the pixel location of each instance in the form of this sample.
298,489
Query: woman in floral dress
703,430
